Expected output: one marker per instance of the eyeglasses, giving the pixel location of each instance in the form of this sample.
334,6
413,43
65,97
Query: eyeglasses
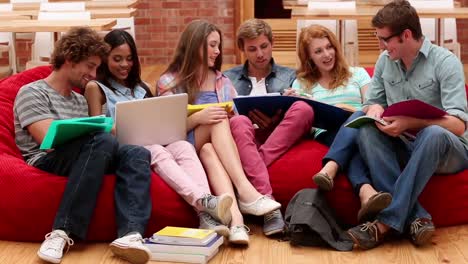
385,40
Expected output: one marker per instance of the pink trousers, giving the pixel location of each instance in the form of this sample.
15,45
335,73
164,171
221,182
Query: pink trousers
256,155
179,166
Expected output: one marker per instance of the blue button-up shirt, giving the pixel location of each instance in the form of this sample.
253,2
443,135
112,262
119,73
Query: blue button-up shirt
280,78
436,77
121,94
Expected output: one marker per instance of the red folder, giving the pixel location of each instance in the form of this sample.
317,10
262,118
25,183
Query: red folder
414,108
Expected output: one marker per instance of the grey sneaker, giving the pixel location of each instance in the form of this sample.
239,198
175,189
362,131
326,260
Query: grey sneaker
219,207
273,223
208,222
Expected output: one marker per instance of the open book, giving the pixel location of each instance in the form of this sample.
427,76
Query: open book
412,108
325,116
362,120
62,131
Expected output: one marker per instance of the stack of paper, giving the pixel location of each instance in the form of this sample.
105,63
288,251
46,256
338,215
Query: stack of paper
189,245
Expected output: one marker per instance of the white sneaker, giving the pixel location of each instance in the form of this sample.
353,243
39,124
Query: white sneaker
239,235
51,249
261,206
219,207
131,248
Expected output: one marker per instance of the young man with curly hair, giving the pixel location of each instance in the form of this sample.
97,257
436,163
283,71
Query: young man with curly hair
85,160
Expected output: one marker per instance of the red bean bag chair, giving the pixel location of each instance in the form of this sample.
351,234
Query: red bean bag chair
29,197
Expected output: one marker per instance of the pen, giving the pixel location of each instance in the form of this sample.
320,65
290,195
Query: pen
305,95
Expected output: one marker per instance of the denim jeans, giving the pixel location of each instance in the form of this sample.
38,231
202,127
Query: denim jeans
85,161
344,151
404,167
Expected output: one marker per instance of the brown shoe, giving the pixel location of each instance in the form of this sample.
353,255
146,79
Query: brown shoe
374,205
366,236
323,181
421,231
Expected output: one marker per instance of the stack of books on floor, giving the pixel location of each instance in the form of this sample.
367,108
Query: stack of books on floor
180,244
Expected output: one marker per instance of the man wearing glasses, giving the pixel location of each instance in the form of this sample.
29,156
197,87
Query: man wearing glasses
410,67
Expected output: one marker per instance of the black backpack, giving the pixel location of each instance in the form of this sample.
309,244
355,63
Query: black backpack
311,222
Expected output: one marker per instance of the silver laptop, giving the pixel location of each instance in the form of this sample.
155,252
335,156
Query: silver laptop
157,120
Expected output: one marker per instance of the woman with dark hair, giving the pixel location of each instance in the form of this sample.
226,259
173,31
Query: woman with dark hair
177,163
117,72
325,76
195,70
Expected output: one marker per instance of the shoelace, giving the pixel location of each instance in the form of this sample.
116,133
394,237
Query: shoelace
260,201
55,243
137,238
415,226
240,228
372,227
209,201
272,215
210,220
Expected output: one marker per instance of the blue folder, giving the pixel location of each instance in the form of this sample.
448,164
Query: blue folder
325,116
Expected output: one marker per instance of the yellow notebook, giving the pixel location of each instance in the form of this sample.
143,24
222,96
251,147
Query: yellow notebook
191,109
184,232
183,236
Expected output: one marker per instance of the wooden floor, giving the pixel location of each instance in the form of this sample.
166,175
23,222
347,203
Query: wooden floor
449,245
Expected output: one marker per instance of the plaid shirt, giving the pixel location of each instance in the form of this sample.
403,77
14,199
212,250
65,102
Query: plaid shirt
223,86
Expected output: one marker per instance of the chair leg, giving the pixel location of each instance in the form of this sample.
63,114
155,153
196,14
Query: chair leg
454,47
12,53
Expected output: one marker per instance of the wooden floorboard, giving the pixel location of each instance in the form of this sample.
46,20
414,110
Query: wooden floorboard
449,245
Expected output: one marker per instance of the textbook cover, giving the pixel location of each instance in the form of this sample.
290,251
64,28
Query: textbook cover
413,108
191,109
325,116
183,236
62,131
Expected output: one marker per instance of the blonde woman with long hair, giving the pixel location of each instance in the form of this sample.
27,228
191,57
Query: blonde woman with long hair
195,70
